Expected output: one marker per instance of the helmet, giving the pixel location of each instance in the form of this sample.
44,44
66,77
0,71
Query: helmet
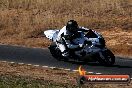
72,26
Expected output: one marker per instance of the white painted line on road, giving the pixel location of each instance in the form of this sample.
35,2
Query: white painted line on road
45,66
4,61
52,67
21,63
36,65
90,72
98,73
29,64
67,69
35,47
61,68
75,70
12,62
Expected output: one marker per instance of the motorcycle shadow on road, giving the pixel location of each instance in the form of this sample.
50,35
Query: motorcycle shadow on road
98,64
121,66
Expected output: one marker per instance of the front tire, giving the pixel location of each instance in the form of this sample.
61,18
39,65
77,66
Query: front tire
109,58
56,53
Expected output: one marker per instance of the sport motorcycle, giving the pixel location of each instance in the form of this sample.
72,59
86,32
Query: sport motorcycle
94,48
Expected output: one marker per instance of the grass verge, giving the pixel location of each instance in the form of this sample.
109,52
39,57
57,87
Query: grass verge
13,75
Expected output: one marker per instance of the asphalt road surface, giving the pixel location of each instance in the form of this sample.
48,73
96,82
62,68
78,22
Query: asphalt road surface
43,57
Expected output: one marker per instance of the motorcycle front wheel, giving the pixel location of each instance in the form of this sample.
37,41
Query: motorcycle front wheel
56,53
108,58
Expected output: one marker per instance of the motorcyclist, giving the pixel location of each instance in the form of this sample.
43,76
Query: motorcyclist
70,37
